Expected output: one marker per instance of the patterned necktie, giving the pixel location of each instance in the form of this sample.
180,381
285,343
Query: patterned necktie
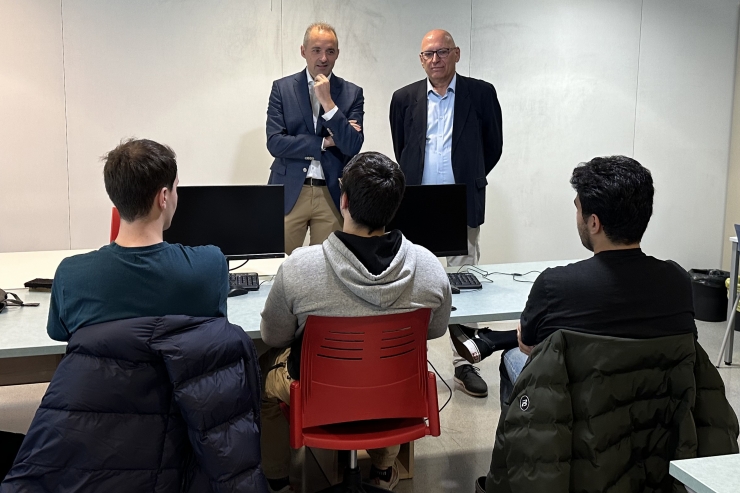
315,104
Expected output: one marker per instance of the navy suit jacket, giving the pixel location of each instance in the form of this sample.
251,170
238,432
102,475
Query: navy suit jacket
477,138
293,142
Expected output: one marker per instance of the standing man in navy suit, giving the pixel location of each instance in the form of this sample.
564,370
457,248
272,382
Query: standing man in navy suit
314,127
447,129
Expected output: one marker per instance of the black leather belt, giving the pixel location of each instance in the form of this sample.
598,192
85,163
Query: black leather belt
315,182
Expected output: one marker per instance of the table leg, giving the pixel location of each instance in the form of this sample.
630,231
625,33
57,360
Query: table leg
732,301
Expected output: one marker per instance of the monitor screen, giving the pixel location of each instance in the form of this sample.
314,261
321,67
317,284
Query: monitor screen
435,217
244,221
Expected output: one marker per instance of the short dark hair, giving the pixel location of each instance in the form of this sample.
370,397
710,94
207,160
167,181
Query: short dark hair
619,190
374,185
135,172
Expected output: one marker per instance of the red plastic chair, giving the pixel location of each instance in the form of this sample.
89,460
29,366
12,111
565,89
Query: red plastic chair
364,384
115,224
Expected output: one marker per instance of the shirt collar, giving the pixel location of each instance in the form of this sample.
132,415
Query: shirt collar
451,87
309,79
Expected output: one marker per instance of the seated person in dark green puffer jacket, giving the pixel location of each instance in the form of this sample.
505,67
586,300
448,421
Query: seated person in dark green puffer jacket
607,414
619,292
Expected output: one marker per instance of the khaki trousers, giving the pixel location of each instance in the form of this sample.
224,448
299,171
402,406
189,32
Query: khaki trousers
275,429
315,211
472,258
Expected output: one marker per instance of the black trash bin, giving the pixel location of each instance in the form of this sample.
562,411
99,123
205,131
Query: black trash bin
710,294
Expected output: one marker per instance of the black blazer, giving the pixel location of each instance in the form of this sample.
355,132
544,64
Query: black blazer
477,139
293,142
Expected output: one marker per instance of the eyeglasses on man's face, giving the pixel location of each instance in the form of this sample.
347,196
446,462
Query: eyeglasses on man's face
441,53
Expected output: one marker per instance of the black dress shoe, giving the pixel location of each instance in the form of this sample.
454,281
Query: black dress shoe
470,381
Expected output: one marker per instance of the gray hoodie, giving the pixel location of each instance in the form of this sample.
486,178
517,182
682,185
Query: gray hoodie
328,280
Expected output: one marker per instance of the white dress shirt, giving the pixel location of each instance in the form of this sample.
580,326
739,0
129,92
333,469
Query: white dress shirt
315,170
438,152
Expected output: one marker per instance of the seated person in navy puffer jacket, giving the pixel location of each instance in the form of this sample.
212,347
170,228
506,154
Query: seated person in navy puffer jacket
154,394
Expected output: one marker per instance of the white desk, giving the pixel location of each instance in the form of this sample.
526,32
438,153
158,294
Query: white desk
719,474
23,329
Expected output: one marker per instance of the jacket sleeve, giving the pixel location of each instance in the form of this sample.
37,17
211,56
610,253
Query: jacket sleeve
537,434
348,140
216,387
715,420
493,137
278,325
279,143
397,116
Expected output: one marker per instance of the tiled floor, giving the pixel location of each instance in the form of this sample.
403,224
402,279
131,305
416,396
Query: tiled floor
452,462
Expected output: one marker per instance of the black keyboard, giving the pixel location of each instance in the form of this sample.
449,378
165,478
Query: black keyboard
464,280
243,282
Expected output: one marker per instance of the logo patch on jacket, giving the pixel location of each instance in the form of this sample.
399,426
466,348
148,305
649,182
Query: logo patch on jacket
524,403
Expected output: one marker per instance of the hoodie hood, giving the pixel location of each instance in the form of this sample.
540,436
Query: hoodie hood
381,290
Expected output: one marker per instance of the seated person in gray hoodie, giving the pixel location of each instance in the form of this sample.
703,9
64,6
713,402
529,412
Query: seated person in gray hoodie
359,271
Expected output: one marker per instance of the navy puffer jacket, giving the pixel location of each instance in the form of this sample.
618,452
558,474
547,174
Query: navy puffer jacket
154,404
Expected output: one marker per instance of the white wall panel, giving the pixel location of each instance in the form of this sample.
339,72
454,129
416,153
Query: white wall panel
379,45
566,75
732,207
194,75
575,78
33,170
684,106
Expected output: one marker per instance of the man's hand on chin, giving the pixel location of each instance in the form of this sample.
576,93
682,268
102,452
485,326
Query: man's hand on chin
322,90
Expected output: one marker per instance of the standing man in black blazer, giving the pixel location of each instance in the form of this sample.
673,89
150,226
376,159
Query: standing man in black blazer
447,129
314,127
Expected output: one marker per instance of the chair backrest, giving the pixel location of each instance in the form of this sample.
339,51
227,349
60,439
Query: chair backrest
115,224
362,368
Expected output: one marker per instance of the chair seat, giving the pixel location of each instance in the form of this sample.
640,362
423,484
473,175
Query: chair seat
362,435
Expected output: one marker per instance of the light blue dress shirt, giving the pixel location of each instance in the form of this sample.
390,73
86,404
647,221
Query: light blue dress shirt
438,155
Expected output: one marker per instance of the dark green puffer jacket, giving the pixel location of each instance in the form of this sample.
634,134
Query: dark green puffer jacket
602,414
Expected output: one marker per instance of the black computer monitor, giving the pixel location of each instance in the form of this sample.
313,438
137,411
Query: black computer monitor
244,221
435,217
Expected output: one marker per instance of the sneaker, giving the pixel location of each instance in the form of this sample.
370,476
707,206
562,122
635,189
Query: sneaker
388,485
480,485
469,378
477,345
467,345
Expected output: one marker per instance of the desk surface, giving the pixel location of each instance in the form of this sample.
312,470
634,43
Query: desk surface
23,329
719,474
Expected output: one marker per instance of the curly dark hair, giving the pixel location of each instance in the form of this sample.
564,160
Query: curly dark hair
619,190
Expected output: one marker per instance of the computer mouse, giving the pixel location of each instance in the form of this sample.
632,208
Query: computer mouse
455,289
237,292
